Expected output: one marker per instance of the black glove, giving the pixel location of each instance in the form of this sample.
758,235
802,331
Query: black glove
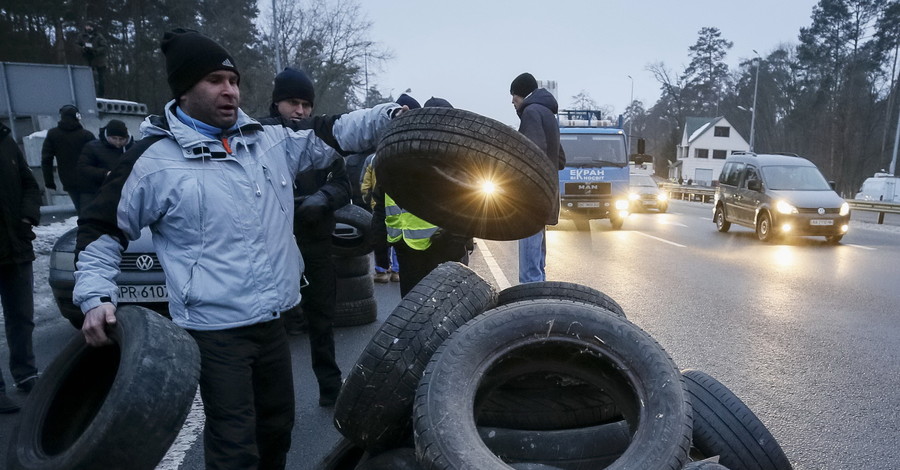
313,209
51,185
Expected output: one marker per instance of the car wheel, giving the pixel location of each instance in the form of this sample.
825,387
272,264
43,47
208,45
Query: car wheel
583,447
834,239
765,231
663,208
356,312
559,290
450,154
722,225
616,222
374,407
100,407
601,349
724,426
349,289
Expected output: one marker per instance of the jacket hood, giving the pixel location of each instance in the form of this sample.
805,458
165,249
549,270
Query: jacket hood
69,124
540,97
102,138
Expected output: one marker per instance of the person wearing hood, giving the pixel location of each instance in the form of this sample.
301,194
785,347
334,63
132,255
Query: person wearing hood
100,156
318,192
215,188
64,143
537,110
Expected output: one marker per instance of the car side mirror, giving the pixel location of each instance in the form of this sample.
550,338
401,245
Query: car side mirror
831,183
754,185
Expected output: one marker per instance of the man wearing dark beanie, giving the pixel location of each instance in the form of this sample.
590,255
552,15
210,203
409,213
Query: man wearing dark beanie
214,185
100,156
292,99
537,110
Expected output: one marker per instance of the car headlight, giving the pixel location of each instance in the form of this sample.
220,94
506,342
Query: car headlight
845,208
633,196
621,205
785,208
661,196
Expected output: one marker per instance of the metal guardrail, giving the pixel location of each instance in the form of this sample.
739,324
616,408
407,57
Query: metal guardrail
689,193
870,206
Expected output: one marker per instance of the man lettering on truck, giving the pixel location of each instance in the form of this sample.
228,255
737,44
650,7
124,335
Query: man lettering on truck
537,109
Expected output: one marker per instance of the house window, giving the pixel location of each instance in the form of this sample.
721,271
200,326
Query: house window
701,153
722,131
720,154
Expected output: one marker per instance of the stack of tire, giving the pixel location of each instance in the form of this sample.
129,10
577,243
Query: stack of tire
546,375
352,253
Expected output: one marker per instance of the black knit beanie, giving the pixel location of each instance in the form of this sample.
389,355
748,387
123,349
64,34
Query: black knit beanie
116,128
437,103
68,111
190,56
523,85
408,101
293,83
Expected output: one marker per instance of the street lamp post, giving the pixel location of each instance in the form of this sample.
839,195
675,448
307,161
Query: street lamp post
631,112
753,109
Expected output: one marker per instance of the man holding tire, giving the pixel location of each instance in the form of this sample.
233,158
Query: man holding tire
318,192
537,110
214,186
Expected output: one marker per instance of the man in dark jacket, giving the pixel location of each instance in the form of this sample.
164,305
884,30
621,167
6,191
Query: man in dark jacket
537,110
93,49
20,203
64,142
100,156
293,98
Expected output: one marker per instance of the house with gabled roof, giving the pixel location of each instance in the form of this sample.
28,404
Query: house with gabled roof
705,144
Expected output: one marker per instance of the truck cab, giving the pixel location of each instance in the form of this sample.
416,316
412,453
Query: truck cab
595,182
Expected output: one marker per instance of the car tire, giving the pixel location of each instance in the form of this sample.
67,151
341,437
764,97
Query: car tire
725,427
352,235
355,313
99,407
834,239
352,266
663,208
401,458
722,224
616,222
374,406
345,455
765,229
449,153
349,289
582,225
587,447
589,343
704,465
559,290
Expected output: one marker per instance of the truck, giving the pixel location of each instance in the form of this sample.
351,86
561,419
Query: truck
595,182
883,187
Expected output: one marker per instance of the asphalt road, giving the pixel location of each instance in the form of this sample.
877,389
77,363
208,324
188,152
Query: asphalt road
803,332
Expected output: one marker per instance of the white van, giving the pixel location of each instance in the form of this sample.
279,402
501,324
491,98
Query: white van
883,187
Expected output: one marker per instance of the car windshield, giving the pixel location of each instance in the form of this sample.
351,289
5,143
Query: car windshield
642,180
794,178
594,149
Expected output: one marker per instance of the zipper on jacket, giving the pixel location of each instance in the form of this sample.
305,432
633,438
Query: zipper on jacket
269,179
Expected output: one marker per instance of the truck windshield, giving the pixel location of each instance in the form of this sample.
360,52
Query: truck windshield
594,149
794,178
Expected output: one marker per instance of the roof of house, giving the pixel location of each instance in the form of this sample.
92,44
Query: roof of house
695,126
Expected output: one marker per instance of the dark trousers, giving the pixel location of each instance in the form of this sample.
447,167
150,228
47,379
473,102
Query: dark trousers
416,264
17,296
247,389
75,196
318,301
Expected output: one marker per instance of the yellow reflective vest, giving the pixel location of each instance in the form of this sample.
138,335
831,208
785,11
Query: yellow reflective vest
415,232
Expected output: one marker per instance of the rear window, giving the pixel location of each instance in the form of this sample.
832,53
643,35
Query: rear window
794,178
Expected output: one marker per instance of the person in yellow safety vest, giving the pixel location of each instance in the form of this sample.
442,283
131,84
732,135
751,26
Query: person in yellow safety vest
421,246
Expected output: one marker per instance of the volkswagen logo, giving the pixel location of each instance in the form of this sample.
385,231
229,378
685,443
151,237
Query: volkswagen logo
145,262
821,211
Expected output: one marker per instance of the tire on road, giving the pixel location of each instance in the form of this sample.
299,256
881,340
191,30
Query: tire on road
588,447
350,289
704,465
355,313
352,235
345,455
449,154
374,407
725,426
722,225
352,266
401,458
559,290
591,344
101,407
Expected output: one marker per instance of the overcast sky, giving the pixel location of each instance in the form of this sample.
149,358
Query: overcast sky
468,51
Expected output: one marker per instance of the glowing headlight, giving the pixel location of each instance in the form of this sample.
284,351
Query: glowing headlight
633,196
621,205
845,208
662,197
785,208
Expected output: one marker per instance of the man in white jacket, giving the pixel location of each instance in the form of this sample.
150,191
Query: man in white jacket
215,188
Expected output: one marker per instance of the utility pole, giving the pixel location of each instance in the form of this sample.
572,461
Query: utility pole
896,144
753,110
275,38
630,113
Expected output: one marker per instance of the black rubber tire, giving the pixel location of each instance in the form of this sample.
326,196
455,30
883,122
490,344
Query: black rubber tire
352,266
703,465
662,208
374,407
616,222
559,290
765,229
102,407
352,234
401,458
351,289
834,239
355,313
722,224
345,455
587,342
433,162
589,447
725,426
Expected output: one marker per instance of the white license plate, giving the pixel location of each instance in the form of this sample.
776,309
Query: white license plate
588,204
821,222
143,294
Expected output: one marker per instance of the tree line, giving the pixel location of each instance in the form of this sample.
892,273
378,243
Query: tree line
832,97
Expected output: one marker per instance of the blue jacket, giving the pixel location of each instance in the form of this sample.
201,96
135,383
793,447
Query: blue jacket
221,221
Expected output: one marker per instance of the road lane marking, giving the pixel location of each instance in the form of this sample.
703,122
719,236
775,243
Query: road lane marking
663,222
499,277
189,433
660,239
860,246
